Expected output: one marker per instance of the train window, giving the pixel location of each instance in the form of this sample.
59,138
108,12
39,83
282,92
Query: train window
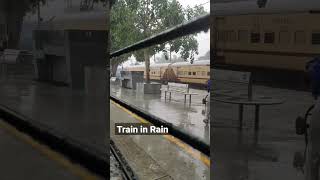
243,36
222,36
269,37
255,37
316,38
231,36
284,37
194,73
299,37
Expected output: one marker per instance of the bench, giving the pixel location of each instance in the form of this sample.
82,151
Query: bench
178,88
235,87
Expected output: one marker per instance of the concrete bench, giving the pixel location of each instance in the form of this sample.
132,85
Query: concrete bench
236,88
178,88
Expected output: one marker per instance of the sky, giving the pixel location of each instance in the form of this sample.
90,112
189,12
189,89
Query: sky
203,37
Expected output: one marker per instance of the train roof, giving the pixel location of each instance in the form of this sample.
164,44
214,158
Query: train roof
199,62
152,65
242,7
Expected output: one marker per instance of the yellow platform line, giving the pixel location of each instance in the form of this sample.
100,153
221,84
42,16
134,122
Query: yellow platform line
76,170
188,149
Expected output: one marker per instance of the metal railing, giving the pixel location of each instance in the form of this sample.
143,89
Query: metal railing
199,24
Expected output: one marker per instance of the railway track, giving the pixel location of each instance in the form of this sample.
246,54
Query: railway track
119,168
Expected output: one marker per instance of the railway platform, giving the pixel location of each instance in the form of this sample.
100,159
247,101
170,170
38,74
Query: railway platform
264,154
188,117
154,157
66,120
24,158
68,112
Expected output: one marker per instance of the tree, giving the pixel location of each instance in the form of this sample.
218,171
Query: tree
149,17
188,45
173,17
148,22
123,31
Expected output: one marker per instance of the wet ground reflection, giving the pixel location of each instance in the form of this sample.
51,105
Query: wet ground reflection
265,154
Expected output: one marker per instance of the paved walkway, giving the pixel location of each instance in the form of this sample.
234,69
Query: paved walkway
154,157
186,116
23,158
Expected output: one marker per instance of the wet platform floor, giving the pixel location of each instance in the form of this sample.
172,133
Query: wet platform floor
71,114
265,154
23,158
157,156
188,117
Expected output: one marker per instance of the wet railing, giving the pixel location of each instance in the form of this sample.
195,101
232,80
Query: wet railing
199,24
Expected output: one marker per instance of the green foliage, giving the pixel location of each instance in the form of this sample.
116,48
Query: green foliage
189,48
123,30
134,20
186,46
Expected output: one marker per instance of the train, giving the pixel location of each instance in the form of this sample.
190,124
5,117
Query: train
279,36
196,74
274,43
